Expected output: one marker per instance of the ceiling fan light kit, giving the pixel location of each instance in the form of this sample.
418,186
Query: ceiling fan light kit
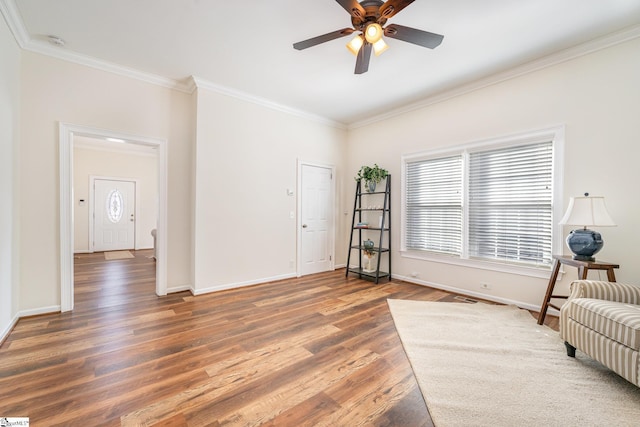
379,47
369,18
373,33
355,44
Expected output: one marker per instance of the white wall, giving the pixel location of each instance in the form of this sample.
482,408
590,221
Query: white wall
141,167
228,209
246,158
56,91
597,98
9,151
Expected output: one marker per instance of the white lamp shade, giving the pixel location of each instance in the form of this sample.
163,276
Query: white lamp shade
379,47
373,33
355,44
587,211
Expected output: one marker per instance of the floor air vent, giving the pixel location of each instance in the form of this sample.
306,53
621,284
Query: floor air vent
465,299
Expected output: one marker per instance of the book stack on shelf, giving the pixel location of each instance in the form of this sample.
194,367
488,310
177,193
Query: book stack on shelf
362,225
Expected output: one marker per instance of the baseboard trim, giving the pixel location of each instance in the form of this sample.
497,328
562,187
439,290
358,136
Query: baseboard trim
480,295
227,286
176,289
7,331
39,311
26,313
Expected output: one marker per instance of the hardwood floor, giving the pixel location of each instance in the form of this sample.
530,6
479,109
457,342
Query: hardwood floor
320,350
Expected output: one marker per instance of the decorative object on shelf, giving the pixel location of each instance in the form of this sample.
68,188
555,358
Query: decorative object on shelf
587,211
370,265
368,245
369,253
371,176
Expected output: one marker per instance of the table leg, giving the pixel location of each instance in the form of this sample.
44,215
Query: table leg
611,275
547,297
582,272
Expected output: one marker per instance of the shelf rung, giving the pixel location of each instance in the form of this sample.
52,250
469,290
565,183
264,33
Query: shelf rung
375,249
372,274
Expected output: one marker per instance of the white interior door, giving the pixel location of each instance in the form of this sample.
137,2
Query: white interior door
316,219
114,215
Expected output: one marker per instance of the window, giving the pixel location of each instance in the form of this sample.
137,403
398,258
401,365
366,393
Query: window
489,201
434,205
114,204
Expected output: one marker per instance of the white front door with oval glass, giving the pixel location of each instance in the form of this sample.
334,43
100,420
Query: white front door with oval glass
114,215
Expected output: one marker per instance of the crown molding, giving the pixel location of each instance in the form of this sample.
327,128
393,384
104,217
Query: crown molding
110,67
583,49
10,11
11,15
200,83
14,21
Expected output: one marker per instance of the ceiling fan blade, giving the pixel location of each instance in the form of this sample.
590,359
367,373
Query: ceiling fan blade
412,35
364,55
353,7
323,38
391,7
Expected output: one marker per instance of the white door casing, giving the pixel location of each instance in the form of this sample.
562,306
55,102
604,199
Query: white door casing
316,225
114,214
66,135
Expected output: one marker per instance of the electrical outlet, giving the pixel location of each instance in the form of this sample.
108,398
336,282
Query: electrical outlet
414,274
291,264
485,286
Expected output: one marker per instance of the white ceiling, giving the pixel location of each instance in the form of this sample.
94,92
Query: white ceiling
246,46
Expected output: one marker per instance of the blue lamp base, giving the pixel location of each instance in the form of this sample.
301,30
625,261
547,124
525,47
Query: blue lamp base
584,243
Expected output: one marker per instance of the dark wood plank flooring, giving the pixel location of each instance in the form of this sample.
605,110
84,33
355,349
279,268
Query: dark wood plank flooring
320,350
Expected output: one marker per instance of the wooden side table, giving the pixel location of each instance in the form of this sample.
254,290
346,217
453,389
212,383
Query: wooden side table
583,268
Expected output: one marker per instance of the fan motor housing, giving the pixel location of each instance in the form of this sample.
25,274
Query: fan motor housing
372,14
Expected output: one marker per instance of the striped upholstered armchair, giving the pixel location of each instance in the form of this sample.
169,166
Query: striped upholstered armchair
602,319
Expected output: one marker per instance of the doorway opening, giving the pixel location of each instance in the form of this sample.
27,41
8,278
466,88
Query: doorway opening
68,133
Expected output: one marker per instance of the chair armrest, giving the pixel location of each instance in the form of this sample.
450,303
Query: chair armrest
610,291
597,289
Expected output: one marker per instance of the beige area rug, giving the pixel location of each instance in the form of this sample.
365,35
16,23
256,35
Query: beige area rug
118,255
486,365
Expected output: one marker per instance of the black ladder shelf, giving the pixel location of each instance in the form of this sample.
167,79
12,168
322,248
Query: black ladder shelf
380,231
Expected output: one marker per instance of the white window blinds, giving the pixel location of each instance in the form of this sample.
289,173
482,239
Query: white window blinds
510,203
484,202
434,205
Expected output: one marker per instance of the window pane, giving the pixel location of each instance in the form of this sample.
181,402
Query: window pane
510,211
114,205
434,205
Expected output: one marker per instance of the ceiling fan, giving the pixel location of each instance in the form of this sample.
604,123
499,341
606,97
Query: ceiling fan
368,18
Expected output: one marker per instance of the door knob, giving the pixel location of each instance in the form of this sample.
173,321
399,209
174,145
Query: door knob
304,225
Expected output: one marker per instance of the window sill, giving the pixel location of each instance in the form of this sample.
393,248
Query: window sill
541,272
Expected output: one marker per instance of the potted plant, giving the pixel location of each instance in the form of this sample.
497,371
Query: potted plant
371,176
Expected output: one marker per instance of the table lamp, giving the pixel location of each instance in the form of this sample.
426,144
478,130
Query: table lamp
586,211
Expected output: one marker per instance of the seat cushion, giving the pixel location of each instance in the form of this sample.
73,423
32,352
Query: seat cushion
615,320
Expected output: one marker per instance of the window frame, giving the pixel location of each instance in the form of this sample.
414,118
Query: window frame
555,135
